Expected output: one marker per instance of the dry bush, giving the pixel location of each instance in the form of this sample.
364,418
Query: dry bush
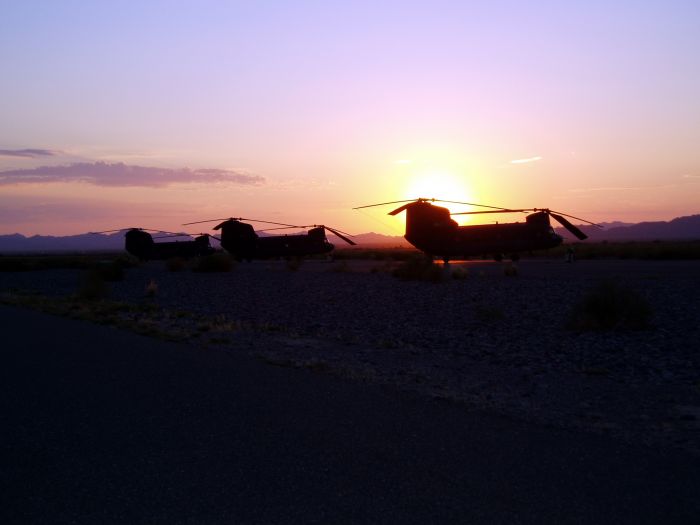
294,263
92,286
151,288
460,273
340,267
176,264
510,270
419,269
610,306
216,262
488,314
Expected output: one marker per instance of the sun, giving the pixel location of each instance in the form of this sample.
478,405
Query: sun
441,185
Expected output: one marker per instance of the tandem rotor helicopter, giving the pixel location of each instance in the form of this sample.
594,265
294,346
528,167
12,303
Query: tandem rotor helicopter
242,241
431,229
141,244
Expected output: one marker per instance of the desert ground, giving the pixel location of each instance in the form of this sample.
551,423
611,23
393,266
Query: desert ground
479,334
104,425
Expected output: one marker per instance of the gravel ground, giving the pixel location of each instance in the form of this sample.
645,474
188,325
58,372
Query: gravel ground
491,341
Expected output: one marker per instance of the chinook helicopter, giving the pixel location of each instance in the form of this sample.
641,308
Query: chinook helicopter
431,229
243,242
141,244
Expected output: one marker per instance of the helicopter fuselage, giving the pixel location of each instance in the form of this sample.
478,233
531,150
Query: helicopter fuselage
141,244
431,229
240,240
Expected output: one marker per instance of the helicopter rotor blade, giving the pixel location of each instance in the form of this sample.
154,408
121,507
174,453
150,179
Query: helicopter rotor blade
201,222
577,218
474,204
423,199
280,228
108,231
566,224
129,229
385,203
339,234
172,235
489,211
400,209
240,219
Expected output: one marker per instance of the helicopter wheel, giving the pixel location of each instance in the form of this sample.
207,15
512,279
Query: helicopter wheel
446,260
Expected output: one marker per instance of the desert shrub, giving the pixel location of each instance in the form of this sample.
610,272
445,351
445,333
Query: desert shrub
460,273
510,270
26,263
111,271
418,269
294,263
151,289
340,267
175,264
92,286
609,306
488,314
216,262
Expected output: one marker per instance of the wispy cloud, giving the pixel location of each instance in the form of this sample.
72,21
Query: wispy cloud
606,188
120,174
692,180
525,161
30,153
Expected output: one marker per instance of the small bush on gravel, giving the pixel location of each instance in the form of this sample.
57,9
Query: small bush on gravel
610,306
488,314
294,263
111,271
460,273
510,270
216,262
175,264
92,286
340,267
418,269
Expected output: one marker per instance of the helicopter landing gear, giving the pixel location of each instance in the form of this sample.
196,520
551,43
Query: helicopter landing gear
515,257
446,260
498,257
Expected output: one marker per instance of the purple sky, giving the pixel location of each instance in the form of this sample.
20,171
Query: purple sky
175,111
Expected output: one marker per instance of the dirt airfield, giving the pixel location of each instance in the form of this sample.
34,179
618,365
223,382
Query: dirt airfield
487,335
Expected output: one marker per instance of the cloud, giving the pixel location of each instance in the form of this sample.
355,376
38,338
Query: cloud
28,153
120,174
524,161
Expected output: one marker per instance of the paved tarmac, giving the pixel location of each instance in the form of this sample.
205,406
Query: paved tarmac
105,426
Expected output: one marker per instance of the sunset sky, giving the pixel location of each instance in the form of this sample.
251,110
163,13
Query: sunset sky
152,114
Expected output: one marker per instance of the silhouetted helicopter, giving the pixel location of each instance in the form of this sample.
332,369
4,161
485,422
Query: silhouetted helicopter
431,229
241,240
140,243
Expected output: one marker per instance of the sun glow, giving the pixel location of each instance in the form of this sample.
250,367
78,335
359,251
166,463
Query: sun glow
441,185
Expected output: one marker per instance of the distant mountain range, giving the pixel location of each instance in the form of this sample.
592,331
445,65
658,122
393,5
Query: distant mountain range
680,228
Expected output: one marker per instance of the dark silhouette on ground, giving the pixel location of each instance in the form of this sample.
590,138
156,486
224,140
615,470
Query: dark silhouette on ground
681,228
243,242
432,230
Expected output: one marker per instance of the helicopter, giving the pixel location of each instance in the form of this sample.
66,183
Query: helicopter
141,244
431,229
243,242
